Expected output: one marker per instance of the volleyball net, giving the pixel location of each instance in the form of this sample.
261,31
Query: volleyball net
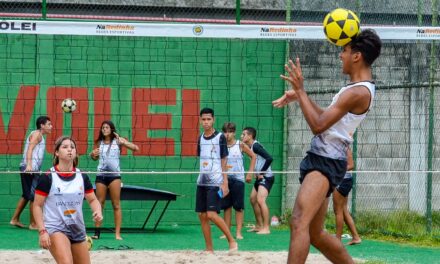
152,80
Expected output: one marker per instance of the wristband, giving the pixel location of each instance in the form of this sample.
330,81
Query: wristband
42,231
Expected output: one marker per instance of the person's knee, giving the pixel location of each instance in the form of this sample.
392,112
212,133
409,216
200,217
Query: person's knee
116,205
261,200
335,207
211,215
345,212
293,223
101,201
338,211
203,216
316,237
314,242
296,222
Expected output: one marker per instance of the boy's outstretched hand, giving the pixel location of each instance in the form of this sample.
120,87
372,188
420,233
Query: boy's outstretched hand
288,97
295,79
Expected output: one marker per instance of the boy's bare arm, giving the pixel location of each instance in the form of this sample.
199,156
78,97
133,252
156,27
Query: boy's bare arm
224,186
350,161
352,100
253,158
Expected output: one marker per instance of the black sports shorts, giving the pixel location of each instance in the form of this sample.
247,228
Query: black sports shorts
334,170
345,186
235,198
266,182
207,199
106,180
29,182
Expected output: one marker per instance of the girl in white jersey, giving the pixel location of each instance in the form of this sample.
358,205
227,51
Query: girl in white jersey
108,150
58,206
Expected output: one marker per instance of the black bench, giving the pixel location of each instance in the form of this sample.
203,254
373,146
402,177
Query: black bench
138,193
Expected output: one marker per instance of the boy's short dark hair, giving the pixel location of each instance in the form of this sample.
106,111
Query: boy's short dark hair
251,131
368,43
228,127
41,120
207,110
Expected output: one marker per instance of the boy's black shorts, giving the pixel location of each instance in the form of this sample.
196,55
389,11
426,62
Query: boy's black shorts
207,199
266,182
345,186
235,198
334,170
29,181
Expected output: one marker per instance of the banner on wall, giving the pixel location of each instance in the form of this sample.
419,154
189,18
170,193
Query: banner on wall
200,30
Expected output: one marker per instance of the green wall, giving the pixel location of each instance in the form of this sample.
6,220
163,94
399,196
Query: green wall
152,88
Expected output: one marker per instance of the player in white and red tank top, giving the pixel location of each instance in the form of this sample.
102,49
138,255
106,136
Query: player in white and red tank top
61,193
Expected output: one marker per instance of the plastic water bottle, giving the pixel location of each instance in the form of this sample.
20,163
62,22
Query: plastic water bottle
274,221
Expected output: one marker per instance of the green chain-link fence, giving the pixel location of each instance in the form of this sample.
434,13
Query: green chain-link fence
233,11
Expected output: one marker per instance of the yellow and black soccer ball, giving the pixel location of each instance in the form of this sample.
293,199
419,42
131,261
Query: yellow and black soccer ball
341,26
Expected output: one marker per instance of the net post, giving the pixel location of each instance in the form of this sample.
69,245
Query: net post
430,147
288,11
358,8
285,125
431,121
419,12
237,12
44,9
